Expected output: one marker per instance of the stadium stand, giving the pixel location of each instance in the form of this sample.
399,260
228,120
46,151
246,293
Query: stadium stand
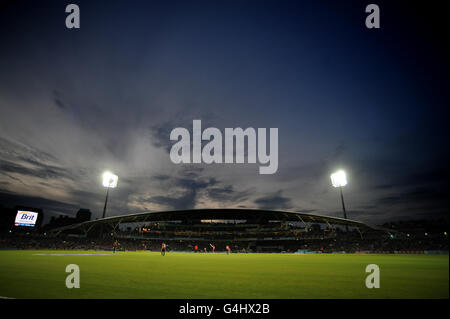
245,231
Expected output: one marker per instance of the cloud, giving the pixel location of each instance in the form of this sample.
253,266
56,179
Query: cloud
51,207
35,169
58,100
160,132
274,201
417,195
21,163
425,177
189,185
226,193
62,125
185,201
161,135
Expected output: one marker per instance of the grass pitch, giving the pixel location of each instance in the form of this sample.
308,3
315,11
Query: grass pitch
41,274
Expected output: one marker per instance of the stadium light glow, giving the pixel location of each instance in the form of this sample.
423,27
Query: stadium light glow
339,179
110,180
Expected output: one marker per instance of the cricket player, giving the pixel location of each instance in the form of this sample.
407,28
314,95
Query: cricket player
115,246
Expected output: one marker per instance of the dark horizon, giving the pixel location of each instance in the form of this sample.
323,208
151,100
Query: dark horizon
74,103
47,219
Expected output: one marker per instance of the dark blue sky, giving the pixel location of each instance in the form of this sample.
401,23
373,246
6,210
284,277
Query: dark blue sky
373,102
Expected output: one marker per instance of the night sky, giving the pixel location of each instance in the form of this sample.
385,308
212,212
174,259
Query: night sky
77,102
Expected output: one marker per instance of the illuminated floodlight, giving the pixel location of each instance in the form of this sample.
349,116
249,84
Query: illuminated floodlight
110,180
339,179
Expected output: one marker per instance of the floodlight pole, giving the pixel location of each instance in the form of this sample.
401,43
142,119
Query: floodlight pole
106,201
343,206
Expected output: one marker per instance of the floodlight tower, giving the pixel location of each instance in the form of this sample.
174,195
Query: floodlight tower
339,179
109,181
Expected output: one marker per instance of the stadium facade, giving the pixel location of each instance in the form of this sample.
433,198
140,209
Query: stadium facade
244,229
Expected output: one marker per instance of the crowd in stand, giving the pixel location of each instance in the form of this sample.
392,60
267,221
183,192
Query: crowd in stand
124,244
412,236
344,242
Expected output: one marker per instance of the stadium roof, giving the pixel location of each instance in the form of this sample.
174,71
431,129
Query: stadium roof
220,214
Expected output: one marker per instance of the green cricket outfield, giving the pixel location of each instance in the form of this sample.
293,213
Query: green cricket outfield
42,274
